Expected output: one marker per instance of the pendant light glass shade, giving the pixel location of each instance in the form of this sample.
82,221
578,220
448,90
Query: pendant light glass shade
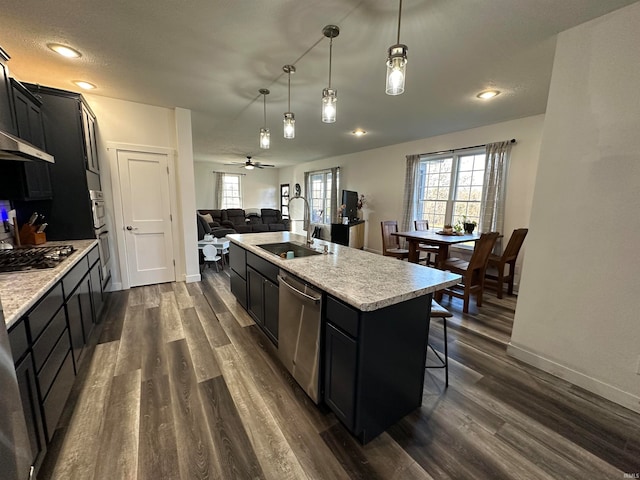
396,64
330,95
396,69
289,125
289,118
329,100
265,135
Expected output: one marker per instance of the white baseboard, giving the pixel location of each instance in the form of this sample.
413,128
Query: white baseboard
196,277
114,287
610,392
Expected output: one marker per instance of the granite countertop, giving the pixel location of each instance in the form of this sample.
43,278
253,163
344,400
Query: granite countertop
21,290
365,280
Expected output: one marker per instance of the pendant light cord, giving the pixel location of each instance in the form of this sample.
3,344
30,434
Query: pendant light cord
264,102
289,94
330,55
399,17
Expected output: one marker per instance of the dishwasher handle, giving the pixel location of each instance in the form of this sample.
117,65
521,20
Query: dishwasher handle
297,292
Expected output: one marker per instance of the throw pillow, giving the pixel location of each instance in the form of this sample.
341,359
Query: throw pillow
207,217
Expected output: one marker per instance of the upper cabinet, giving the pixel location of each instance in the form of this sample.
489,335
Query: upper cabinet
90,145
7,121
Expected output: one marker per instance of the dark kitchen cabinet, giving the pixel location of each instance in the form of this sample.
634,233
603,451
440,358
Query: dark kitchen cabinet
70,130
31,407
263,294
7,119
340,373
238,273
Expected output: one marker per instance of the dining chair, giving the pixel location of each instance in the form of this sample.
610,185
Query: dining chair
497,264
438,311
391,243
211,255
472,272
422,225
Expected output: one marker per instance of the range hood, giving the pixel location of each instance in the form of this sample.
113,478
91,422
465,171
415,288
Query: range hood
14,148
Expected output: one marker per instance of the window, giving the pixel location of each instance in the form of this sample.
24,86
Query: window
231,191
320,196
284,200
450,188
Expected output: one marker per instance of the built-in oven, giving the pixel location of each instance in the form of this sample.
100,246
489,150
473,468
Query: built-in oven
99,213
98,209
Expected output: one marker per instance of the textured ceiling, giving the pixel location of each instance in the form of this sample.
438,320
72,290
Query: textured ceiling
213,56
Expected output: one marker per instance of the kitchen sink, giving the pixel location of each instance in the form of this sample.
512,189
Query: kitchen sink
281,249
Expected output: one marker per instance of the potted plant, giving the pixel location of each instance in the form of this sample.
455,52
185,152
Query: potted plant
469,225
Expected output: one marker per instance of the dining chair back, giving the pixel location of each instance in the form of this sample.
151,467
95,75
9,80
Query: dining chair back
420,226
472,272
390,243
497,264
211,255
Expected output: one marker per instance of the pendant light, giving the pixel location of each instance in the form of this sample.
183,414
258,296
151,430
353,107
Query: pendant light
265,135
329,95
289,119
396,64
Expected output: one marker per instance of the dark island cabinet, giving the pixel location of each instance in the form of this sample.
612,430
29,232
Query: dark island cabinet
263,294
70,131
340,374
7,120
238,273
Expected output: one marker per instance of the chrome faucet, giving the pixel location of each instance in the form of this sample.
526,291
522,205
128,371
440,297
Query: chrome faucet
306,224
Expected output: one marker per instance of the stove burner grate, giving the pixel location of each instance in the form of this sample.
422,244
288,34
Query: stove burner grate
24,259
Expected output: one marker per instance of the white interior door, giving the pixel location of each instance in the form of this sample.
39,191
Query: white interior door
146,211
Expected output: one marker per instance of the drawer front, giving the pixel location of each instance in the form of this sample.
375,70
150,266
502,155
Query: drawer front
57,396
71,279
53,363
93,255
238,260
39,317
267,269
18,340
343,316
43,346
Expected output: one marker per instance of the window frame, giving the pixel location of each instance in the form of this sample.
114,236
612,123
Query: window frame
327,211
453,186
225,198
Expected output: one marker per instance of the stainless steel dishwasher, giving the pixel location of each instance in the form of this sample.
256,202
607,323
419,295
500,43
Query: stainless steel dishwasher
299,332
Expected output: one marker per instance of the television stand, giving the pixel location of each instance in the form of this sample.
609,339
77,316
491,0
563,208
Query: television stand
350,235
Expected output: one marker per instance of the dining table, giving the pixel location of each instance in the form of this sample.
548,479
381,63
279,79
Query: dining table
436,238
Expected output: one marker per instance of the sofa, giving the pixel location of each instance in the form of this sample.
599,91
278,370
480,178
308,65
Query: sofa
269,220
205,228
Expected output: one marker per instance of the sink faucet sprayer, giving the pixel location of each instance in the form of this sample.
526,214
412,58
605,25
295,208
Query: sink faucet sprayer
307,214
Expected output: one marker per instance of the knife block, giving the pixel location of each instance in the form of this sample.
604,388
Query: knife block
29,236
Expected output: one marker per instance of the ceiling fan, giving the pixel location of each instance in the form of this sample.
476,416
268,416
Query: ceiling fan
249,165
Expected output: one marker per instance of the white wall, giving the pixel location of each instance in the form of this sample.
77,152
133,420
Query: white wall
578,310
120,121
379,174
260,188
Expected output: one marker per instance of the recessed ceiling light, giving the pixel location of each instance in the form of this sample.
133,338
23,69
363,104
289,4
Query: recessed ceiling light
85,85
64,50
487,94
359,132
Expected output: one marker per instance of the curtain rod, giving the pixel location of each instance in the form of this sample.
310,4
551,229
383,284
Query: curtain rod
512,141
230,173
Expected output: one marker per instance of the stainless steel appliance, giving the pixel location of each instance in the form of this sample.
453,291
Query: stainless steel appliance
14,148
25,259
299,332
99,214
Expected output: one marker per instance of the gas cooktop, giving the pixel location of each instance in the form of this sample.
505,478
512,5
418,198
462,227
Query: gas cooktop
25,259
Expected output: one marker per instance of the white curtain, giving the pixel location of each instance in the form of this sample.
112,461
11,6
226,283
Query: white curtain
494,194
218,187
334,202
410,199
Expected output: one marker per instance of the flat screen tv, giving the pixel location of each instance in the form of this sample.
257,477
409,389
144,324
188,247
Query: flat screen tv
350,200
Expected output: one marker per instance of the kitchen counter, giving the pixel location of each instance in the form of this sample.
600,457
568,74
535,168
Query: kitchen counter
364,280
19,291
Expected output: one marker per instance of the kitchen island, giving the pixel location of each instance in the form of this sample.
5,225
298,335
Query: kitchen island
374,329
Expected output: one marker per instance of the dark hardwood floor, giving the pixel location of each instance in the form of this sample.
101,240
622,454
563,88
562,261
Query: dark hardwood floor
181,384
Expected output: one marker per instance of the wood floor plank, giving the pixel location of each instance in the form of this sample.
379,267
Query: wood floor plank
170,318
118,452
183,297
197,456
113,316
136,296
82,437
271,448
238,460
129,353
153,352
166,287
151,296
215,333
204,362
158,451
220,286
194,289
